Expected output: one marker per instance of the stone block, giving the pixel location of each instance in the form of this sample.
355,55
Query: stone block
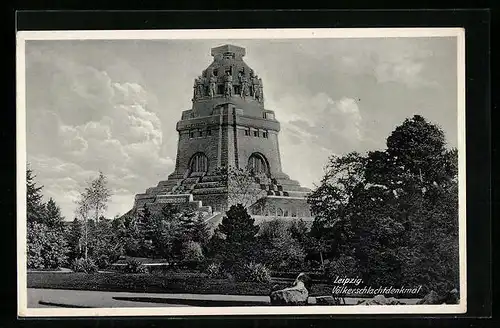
297,294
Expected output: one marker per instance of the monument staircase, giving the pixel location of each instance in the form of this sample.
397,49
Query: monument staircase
215,184
203,184
281,187
198,188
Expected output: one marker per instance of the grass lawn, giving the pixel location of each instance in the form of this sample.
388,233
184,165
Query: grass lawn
171,282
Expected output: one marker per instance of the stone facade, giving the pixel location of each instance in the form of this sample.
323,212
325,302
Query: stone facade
228,126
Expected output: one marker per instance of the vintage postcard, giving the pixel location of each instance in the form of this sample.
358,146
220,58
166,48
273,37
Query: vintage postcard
241,172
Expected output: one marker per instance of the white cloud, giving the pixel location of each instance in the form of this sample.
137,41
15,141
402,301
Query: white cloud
122,137
331,122
302,158
316,127
391,60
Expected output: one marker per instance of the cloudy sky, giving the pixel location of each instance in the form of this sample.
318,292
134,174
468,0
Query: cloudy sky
113,105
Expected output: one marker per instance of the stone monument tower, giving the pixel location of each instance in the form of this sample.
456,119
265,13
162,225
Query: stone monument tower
228,127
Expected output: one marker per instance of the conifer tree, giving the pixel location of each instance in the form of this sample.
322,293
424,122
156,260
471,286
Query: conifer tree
75,235
238,246
46,245
200,232
238,226
35,209
146,227
54,219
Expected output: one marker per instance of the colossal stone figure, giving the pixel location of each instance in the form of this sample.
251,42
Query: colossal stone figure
255,87
212,87
244,87
228,85
261,91
200,86
195,89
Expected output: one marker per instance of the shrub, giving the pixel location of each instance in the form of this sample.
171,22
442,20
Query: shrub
215,270
83,265
135,266
278,249
192,254
105,260
47,249
255,272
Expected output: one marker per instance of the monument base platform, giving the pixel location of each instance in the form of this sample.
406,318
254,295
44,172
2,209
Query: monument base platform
209,193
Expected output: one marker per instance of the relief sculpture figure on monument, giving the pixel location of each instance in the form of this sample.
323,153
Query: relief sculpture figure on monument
201,87
255,87
195,89
261,90
228,85
198,88
212,87
244,86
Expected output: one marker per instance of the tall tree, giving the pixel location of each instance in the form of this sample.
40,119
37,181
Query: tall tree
238,245
238,226
192,228
93,200
35,209
331,202
200,232
98,194
147,227
54,218
74,237
394,211
104,245
82,212
46,245
278,248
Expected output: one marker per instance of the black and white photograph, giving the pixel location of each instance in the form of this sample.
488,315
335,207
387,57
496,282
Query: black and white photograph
241,172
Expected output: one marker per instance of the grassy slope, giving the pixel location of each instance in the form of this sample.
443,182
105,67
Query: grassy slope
156,283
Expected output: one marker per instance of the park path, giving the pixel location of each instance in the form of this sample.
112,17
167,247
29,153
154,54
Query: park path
38,297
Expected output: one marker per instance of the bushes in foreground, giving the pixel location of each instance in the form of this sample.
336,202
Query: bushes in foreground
46,248
246,272
192,254
256,272
84,265
135,266
214,270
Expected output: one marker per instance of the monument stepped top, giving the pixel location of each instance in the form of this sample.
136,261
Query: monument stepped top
228,49
228,79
